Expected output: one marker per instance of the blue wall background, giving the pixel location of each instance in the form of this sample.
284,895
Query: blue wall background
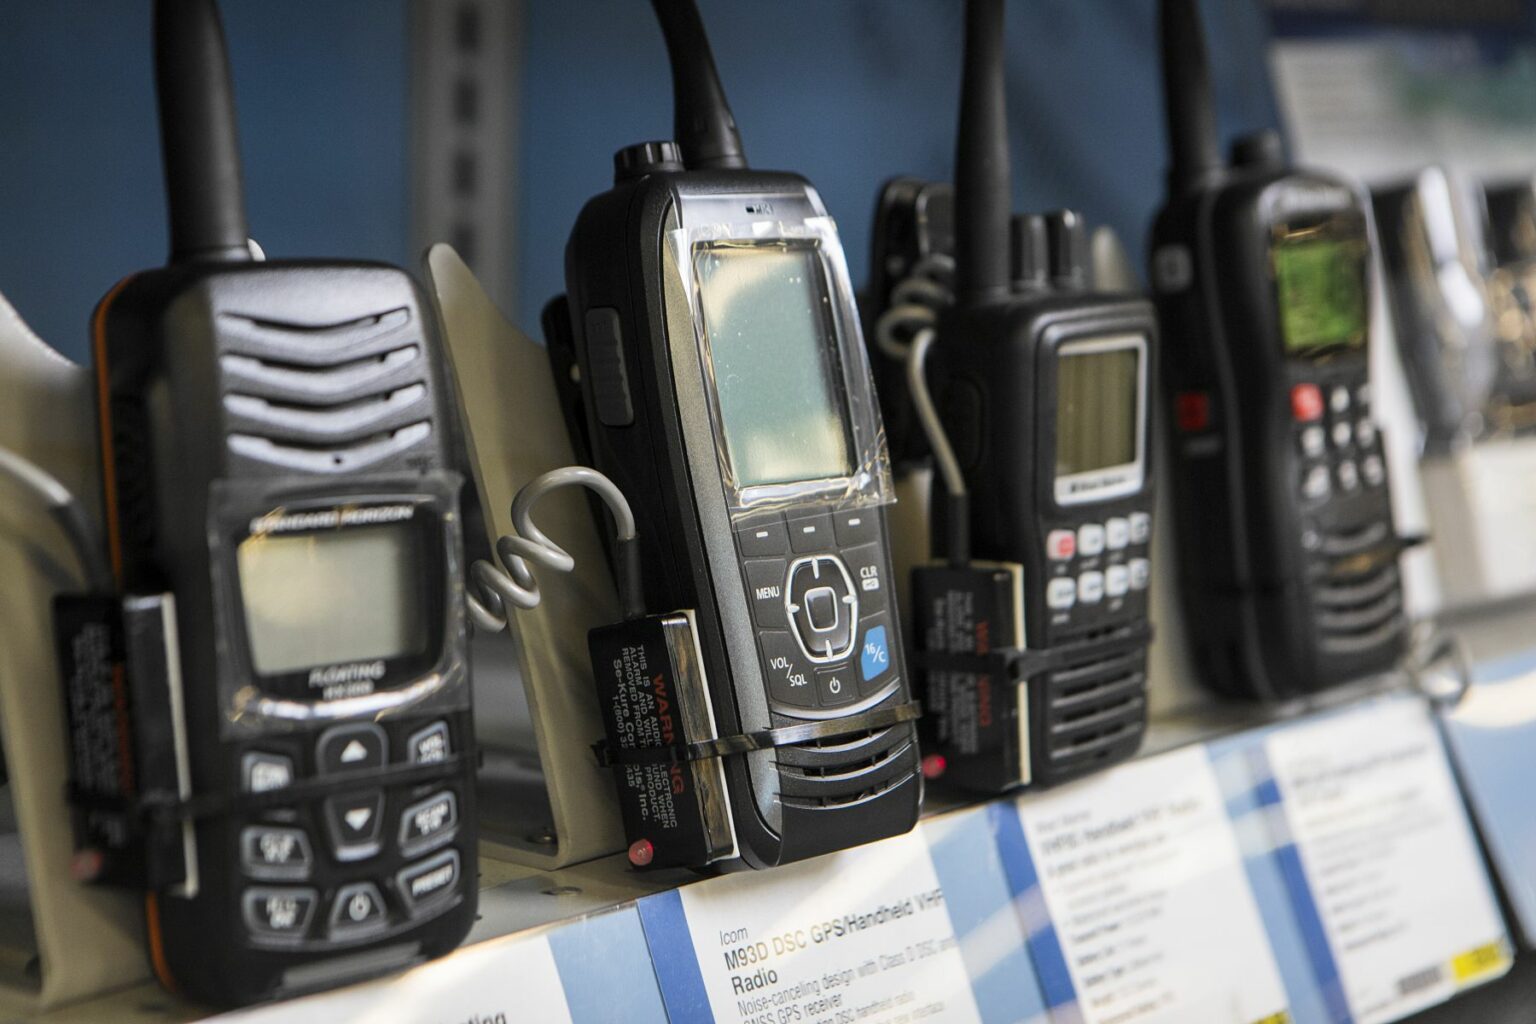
848,92
321,89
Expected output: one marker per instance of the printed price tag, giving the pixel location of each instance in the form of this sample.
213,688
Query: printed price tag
1150,916
862,935
1392,871
498,982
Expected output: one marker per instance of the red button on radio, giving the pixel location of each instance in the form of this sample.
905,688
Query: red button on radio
1060,545
1192,411
1306,403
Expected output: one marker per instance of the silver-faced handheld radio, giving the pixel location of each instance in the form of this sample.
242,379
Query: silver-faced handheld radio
726,392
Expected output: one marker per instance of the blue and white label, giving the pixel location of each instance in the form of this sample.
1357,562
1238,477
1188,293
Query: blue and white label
1132,893
1388,856
863,935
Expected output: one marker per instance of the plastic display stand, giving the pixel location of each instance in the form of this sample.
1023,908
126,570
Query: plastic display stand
544,800
80,939
1482,502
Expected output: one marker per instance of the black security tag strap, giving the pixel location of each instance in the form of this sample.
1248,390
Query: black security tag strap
766,739
164,807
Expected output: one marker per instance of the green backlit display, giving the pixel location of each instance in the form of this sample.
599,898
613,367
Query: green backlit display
1320,285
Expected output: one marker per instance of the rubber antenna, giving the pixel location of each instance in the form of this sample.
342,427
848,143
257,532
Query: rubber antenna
983,190
198,141
702,119
1195,151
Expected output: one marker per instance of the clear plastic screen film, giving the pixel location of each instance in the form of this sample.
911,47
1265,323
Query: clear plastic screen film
331,597
1097,407
1320,286
768,325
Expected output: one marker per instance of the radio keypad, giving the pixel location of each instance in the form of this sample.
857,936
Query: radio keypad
269,851
765,537
262,772
855,528
822,605
280,914
875,655
765,591
429,823
787,670
429,882
429,745
1117,581
357,910
352,748
1339,445
866,564
1314,442
1099,574
811,533
333,845
826,637
354,824
1061,545
835,687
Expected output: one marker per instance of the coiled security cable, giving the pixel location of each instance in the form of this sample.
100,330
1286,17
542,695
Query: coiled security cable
905,332
494,590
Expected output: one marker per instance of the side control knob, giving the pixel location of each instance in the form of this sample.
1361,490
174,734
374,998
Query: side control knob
1069,249
1030,249
1261,149
644,158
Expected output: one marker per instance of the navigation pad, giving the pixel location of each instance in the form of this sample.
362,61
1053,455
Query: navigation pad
823,607
817,586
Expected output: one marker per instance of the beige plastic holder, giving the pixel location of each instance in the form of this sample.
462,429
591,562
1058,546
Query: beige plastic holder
544,801
60,940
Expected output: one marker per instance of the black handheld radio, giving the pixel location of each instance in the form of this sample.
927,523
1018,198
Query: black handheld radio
1287,551
1042,391
726,392
281,510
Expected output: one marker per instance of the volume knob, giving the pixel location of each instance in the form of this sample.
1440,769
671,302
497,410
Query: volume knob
644,158
1069,249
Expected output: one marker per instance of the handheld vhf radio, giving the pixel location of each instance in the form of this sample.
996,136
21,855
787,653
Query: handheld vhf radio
281,516
726,392
1287,551
1042,392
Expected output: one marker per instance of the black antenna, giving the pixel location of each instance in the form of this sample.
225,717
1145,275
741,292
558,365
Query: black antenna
198,142
702,119
983,190
1192,141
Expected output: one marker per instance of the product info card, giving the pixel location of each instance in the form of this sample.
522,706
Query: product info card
860,936
1391,867
1136,901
